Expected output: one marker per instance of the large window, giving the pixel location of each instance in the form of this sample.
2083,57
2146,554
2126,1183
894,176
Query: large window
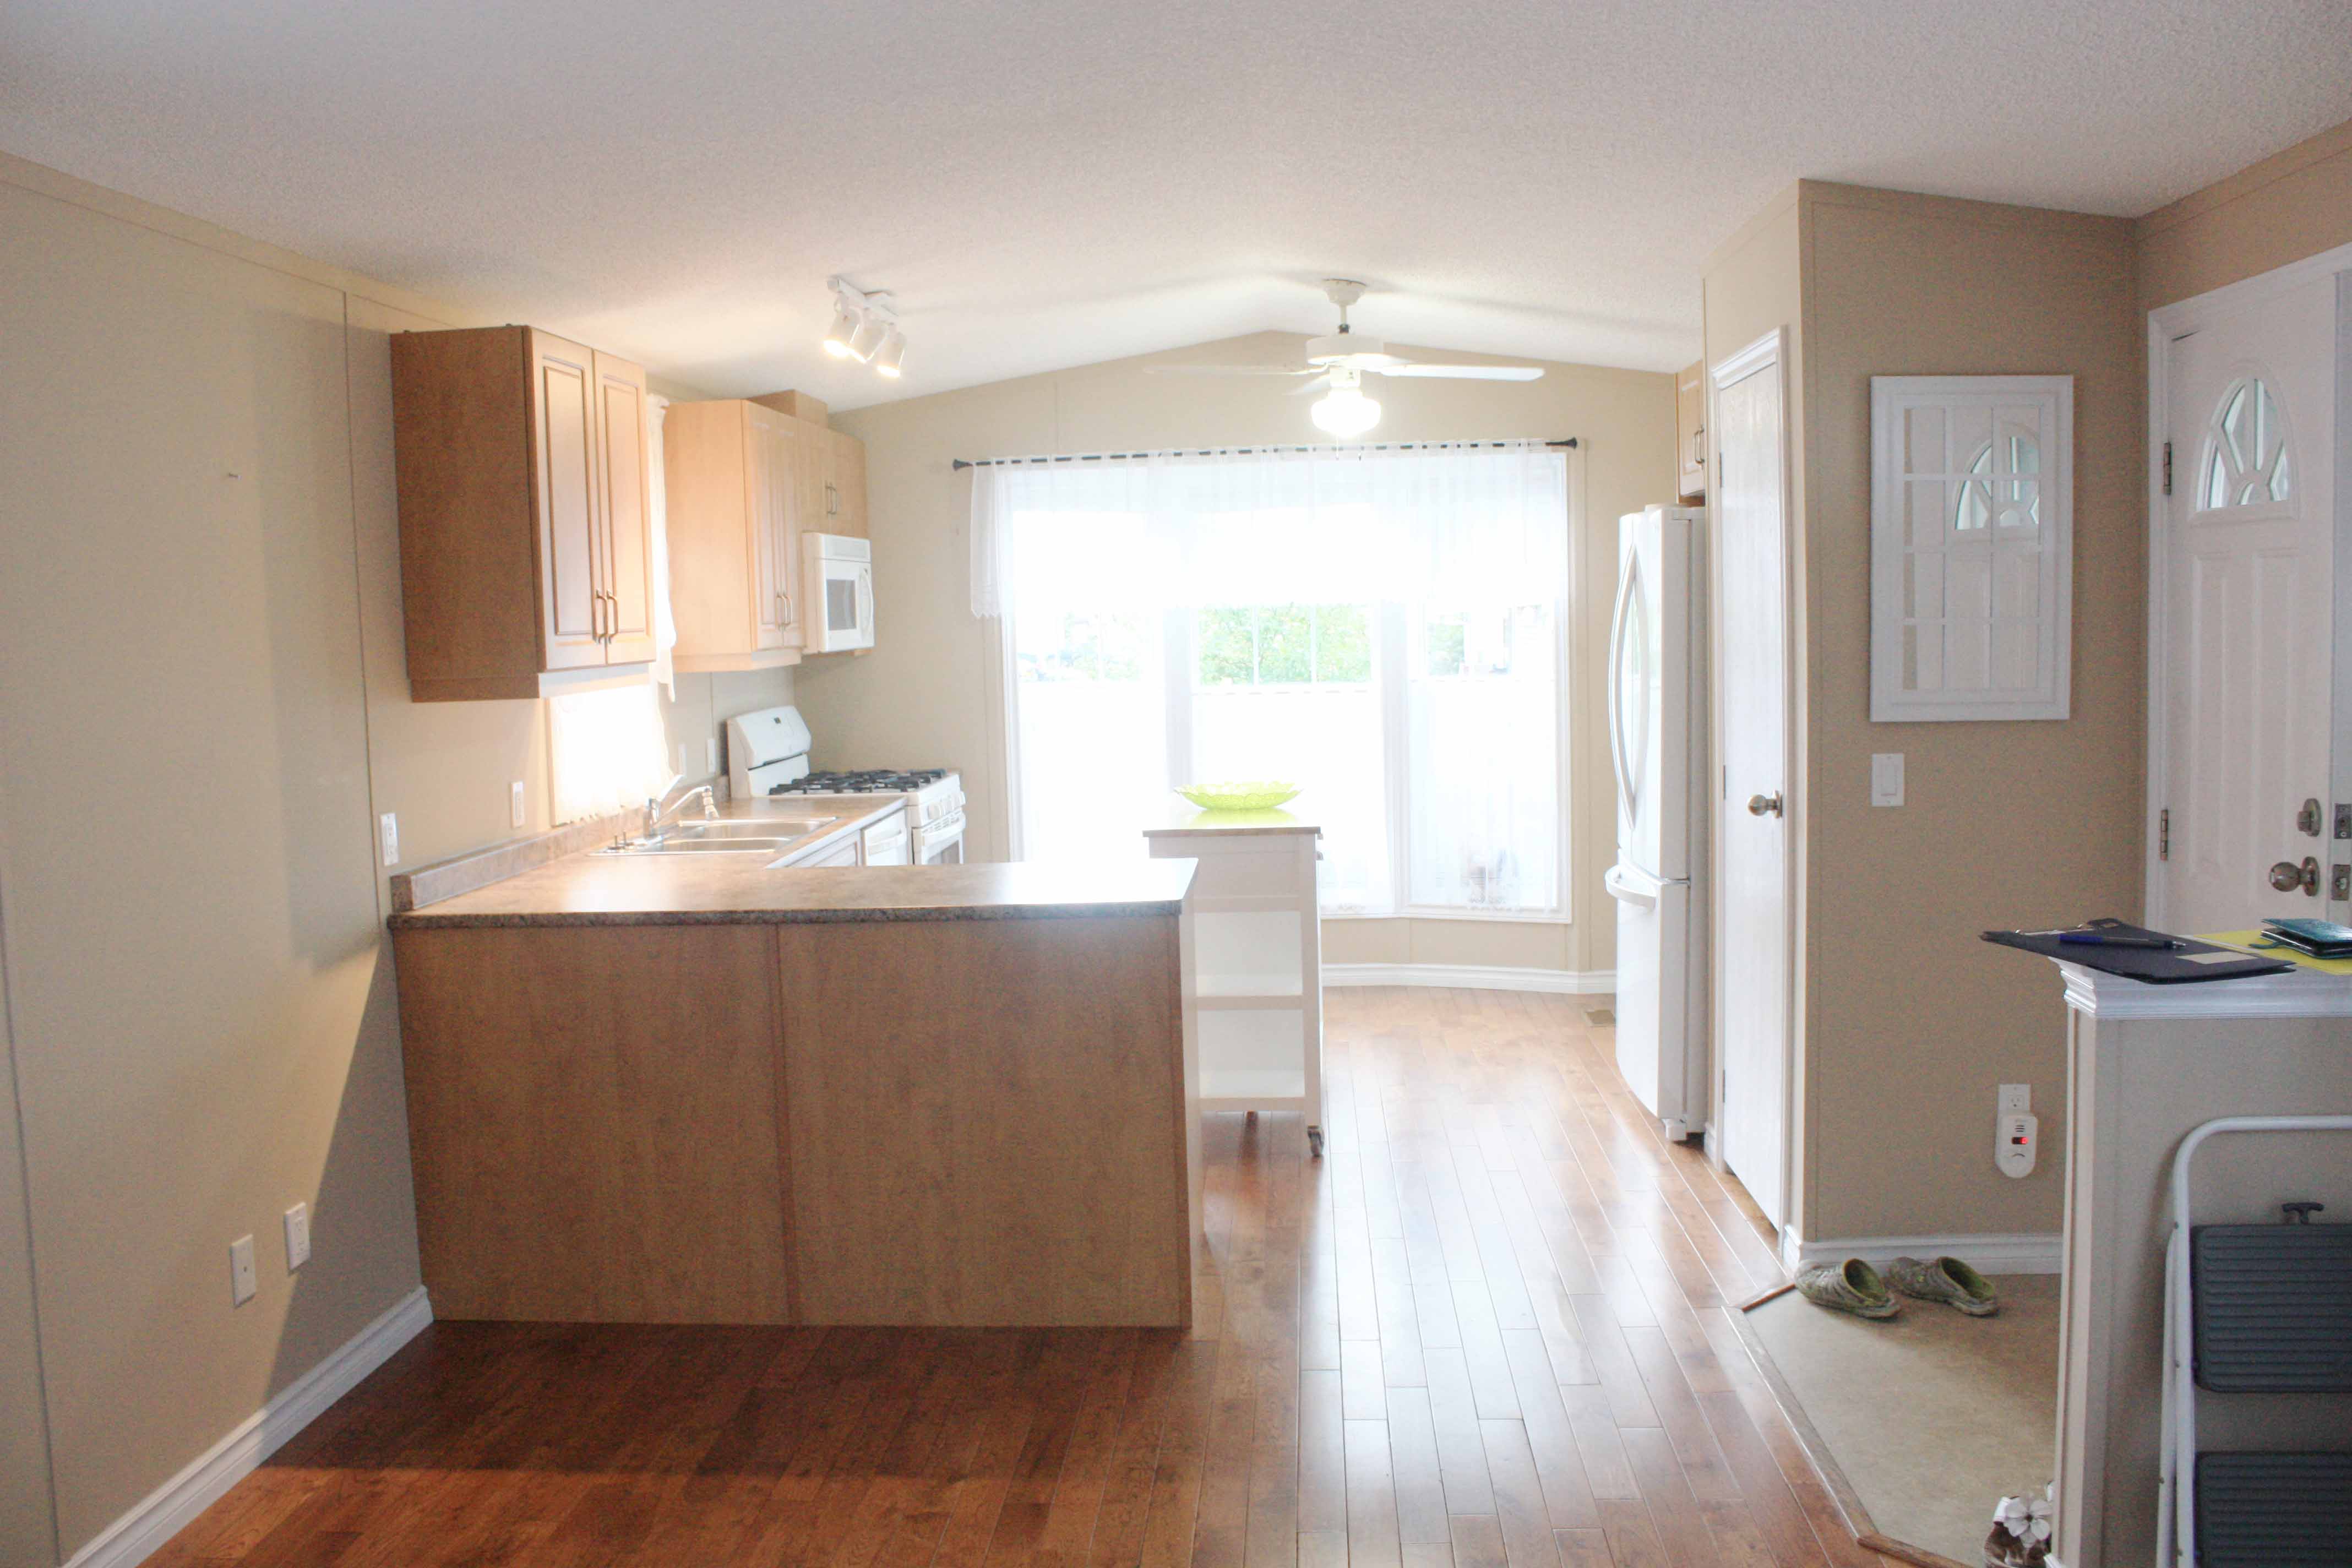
1384,631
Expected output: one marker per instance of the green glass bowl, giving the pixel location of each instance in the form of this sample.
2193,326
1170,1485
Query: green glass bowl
1251,795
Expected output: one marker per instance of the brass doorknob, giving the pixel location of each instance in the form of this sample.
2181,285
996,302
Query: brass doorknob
1764,804
2286,876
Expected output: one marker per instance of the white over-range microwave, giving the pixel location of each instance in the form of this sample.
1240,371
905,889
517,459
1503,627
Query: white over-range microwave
838,585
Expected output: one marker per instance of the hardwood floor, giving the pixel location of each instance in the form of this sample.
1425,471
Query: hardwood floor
1487,1330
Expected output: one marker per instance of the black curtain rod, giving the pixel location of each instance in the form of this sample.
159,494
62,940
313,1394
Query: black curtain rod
1231,451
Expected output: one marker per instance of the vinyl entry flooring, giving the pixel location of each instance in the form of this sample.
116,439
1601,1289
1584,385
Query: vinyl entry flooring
1489,1329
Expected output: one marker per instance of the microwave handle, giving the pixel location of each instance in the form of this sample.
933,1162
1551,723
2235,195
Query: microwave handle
866,601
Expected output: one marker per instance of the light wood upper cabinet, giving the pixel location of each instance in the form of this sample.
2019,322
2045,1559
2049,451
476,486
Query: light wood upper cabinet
524,552
733,470
747,478
1690,430
626,501
848,485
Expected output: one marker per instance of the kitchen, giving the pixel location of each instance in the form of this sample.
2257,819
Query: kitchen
600,961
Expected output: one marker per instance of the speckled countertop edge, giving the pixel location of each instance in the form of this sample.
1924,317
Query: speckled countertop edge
425,919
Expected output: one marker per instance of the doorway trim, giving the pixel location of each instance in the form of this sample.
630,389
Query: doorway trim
2166,323
1768,352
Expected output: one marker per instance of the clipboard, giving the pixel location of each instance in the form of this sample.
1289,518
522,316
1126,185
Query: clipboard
2192,961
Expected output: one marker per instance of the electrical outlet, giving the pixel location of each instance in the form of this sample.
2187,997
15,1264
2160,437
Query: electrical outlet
711,751
388,829
516,812
2016,1099
241,1281
684,765
298,1237
1886,778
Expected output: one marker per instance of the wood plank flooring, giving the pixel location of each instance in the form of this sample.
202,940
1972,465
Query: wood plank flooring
1487,1330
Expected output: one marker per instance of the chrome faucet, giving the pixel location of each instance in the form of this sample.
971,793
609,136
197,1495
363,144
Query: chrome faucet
660,809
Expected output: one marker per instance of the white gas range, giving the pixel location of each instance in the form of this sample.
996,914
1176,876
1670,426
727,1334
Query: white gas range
767,755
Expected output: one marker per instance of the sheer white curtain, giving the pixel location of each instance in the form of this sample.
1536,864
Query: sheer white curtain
1381,627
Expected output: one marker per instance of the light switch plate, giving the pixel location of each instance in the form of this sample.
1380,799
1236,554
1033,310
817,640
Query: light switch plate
1886,778
515,810
298,1237
388,830
241,1281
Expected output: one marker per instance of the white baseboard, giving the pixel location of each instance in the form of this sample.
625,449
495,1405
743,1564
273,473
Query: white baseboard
2030,1252
168,1509
1475,977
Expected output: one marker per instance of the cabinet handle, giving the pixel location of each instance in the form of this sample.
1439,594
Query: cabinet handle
595,616
1698,447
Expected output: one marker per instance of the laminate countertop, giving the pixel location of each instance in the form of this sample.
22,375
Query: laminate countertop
590,889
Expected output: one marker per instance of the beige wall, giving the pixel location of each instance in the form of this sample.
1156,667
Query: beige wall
2293,204
204,707
1911,1021
921,698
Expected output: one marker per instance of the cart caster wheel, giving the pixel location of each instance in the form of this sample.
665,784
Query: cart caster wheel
1315,1142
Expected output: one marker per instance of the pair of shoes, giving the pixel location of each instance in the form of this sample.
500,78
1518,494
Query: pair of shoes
1945,1280
1852,1286
1855,1287
2021,1527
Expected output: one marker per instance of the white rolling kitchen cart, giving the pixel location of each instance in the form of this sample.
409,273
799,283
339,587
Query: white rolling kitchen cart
1257,958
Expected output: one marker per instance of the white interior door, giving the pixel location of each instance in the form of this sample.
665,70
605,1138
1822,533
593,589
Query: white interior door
2247,612
1753,902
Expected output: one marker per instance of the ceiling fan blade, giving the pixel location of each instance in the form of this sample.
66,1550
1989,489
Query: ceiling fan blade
1465,371
1230,370
1308,389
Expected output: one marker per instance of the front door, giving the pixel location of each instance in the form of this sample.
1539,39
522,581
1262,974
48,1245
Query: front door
1753,902
2247,583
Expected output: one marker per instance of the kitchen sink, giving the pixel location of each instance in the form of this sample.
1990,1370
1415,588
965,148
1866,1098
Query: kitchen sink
785,827
747,836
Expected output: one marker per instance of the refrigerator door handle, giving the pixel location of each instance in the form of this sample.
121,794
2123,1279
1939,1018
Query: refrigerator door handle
1620,624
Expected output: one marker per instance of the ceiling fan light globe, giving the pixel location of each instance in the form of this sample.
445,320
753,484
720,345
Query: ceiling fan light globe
1345,412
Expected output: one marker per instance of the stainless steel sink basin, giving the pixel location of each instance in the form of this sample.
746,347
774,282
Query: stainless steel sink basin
747,836
785,827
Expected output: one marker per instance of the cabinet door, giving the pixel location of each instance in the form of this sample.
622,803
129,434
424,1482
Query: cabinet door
570,571
803,497
767,500
626,511
1690,428
817,476
848,485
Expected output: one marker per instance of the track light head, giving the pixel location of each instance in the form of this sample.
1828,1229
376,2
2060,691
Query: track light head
887,359
837,337
866,339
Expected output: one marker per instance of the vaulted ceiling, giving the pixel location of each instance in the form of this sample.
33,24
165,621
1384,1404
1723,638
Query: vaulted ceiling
1052,184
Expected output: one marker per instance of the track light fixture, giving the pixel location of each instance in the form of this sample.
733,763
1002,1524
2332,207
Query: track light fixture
865,329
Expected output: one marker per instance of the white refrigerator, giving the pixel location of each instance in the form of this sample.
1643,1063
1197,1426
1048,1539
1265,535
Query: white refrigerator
1658,759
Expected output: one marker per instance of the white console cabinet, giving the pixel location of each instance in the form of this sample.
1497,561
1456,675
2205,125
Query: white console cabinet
1258,959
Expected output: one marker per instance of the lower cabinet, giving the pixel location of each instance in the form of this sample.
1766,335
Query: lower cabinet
943,1121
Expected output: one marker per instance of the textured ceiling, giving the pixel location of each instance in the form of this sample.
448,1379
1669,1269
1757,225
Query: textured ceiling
1054,184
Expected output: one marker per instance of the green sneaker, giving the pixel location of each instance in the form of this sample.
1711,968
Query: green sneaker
1852,1286
1947,1279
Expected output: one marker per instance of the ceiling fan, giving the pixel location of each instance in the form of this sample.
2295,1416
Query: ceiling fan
1341,362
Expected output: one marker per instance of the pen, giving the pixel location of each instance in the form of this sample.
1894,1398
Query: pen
2101,939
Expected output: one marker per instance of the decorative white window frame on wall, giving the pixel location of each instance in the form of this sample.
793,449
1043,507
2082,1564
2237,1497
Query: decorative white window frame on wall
2000,486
